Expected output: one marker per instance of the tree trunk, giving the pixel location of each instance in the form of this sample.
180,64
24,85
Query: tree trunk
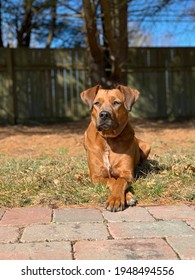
24,34
52,25
110,35
107,61
123,40
94,49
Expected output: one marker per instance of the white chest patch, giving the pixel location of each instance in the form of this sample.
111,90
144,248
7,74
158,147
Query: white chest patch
106,161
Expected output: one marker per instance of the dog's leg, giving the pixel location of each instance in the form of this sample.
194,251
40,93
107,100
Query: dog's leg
144,149
131,199
116,200
99,180
120,195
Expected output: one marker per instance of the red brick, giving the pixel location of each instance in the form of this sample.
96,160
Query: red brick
134,249
36,251
25,216
1,213
69,231
77,215
191,223
184,246
178,212
149,229
130,214
8,234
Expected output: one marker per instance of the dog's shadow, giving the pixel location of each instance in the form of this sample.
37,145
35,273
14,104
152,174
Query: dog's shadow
149,166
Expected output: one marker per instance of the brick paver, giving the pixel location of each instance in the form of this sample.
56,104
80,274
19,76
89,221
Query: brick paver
25,216
178,212
191,223
155,232
77,215
130,214
149,229
1,213
134,249
36,251
8,234
69,231
184,246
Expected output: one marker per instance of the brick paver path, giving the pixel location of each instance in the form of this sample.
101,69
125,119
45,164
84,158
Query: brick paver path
155,232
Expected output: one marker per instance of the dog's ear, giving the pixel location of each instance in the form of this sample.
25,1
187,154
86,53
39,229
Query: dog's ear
130,96
88,95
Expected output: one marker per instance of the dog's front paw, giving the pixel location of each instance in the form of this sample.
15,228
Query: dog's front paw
131,199
115,203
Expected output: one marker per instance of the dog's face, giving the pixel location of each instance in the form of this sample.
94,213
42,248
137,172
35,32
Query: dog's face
110,108
108,111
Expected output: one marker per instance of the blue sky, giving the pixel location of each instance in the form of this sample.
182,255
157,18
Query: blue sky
173,25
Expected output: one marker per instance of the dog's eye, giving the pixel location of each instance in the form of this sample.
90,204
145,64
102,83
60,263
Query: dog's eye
97,103
115,103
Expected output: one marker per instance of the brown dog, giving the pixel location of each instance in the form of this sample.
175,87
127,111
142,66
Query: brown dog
112,149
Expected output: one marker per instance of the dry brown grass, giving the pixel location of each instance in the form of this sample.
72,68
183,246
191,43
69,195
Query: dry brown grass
64,181
47,166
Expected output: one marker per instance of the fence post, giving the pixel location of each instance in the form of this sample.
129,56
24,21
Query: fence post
11,104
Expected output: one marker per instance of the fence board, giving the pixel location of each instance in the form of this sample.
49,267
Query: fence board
45,84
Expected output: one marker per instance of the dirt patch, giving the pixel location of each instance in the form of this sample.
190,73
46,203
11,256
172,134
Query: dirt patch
25,141
67,139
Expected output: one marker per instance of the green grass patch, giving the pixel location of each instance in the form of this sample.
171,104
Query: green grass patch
167,179
47,181
63,151
61,180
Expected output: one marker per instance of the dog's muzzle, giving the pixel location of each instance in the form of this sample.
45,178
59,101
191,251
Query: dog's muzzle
104,115
105,121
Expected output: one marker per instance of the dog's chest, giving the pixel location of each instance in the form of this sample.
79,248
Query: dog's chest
106,161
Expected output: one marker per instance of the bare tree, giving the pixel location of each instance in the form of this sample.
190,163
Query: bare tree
52,23
24,32
94,48
108,24
107,58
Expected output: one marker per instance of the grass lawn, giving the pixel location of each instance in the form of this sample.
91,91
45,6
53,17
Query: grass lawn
47,181
47,166
60,181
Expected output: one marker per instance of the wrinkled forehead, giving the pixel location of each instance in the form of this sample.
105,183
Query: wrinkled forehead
109,94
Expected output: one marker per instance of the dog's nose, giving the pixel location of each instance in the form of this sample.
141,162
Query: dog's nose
104,115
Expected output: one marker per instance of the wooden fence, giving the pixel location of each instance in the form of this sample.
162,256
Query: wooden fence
45,84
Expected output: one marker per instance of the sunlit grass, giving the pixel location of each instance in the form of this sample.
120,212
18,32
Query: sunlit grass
166,179
47,181
61,180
